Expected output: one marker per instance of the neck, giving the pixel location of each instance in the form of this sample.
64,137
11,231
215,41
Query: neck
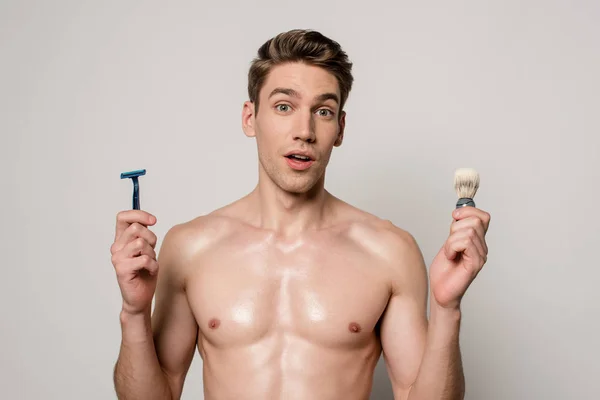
289,214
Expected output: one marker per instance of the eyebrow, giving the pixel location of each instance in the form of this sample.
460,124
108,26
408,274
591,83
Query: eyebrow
293,93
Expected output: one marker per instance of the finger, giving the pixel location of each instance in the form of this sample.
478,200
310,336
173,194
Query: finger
466,212
147,263
134,231
468,224
132,266
451,249
134,249
138,247
468,250
128,217
463,242
481,247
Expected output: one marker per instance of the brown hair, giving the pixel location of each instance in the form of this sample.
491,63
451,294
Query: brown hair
300,45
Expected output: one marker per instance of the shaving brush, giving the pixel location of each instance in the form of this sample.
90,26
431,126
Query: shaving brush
466,183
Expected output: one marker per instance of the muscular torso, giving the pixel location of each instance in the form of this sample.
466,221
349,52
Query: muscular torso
287,319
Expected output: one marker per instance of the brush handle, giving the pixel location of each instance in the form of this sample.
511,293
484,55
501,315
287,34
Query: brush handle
136,193
465,202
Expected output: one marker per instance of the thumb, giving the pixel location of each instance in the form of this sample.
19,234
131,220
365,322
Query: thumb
450,251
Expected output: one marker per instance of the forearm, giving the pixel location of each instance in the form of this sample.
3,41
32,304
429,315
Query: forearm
138,374
441,375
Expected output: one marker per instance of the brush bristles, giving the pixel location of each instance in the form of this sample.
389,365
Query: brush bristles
466,182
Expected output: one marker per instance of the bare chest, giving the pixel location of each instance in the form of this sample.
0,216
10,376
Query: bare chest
331,294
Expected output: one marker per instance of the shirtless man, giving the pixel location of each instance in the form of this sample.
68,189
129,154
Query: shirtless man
289,292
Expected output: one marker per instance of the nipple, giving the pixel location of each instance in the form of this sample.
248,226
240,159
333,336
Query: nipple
354,327
214,323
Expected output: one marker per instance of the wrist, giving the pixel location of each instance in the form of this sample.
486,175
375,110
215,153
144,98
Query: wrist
445,313
127,314
444,327
135,327
449,312
444,322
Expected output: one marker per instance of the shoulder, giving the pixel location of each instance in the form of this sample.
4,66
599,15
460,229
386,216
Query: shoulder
401,255
393,248
385,240
376,234
191,238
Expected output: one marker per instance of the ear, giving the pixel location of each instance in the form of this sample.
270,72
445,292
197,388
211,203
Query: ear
248,119
340,137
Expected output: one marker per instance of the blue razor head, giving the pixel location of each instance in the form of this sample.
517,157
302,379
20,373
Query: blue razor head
133,174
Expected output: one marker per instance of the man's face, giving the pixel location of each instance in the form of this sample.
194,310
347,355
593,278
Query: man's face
298,114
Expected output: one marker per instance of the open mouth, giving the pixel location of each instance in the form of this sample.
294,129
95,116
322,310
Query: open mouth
297,157
299,162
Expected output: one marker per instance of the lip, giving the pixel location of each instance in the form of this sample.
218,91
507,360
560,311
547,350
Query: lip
301,153
299,165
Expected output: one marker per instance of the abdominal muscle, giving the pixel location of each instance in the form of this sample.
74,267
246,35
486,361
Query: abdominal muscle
286,366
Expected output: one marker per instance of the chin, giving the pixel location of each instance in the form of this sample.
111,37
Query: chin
297,186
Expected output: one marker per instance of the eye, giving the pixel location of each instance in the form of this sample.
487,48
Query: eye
323,112
282,107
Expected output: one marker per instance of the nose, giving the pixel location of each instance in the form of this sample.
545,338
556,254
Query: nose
305,129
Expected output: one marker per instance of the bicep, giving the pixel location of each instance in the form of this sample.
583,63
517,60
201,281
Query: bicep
173,323
404,323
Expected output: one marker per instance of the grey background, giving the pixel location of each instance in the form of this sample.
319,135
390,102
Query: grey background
511,88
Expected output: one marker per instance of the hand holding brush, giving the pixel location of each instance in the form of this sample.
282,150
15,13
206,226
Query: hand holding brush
465,251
